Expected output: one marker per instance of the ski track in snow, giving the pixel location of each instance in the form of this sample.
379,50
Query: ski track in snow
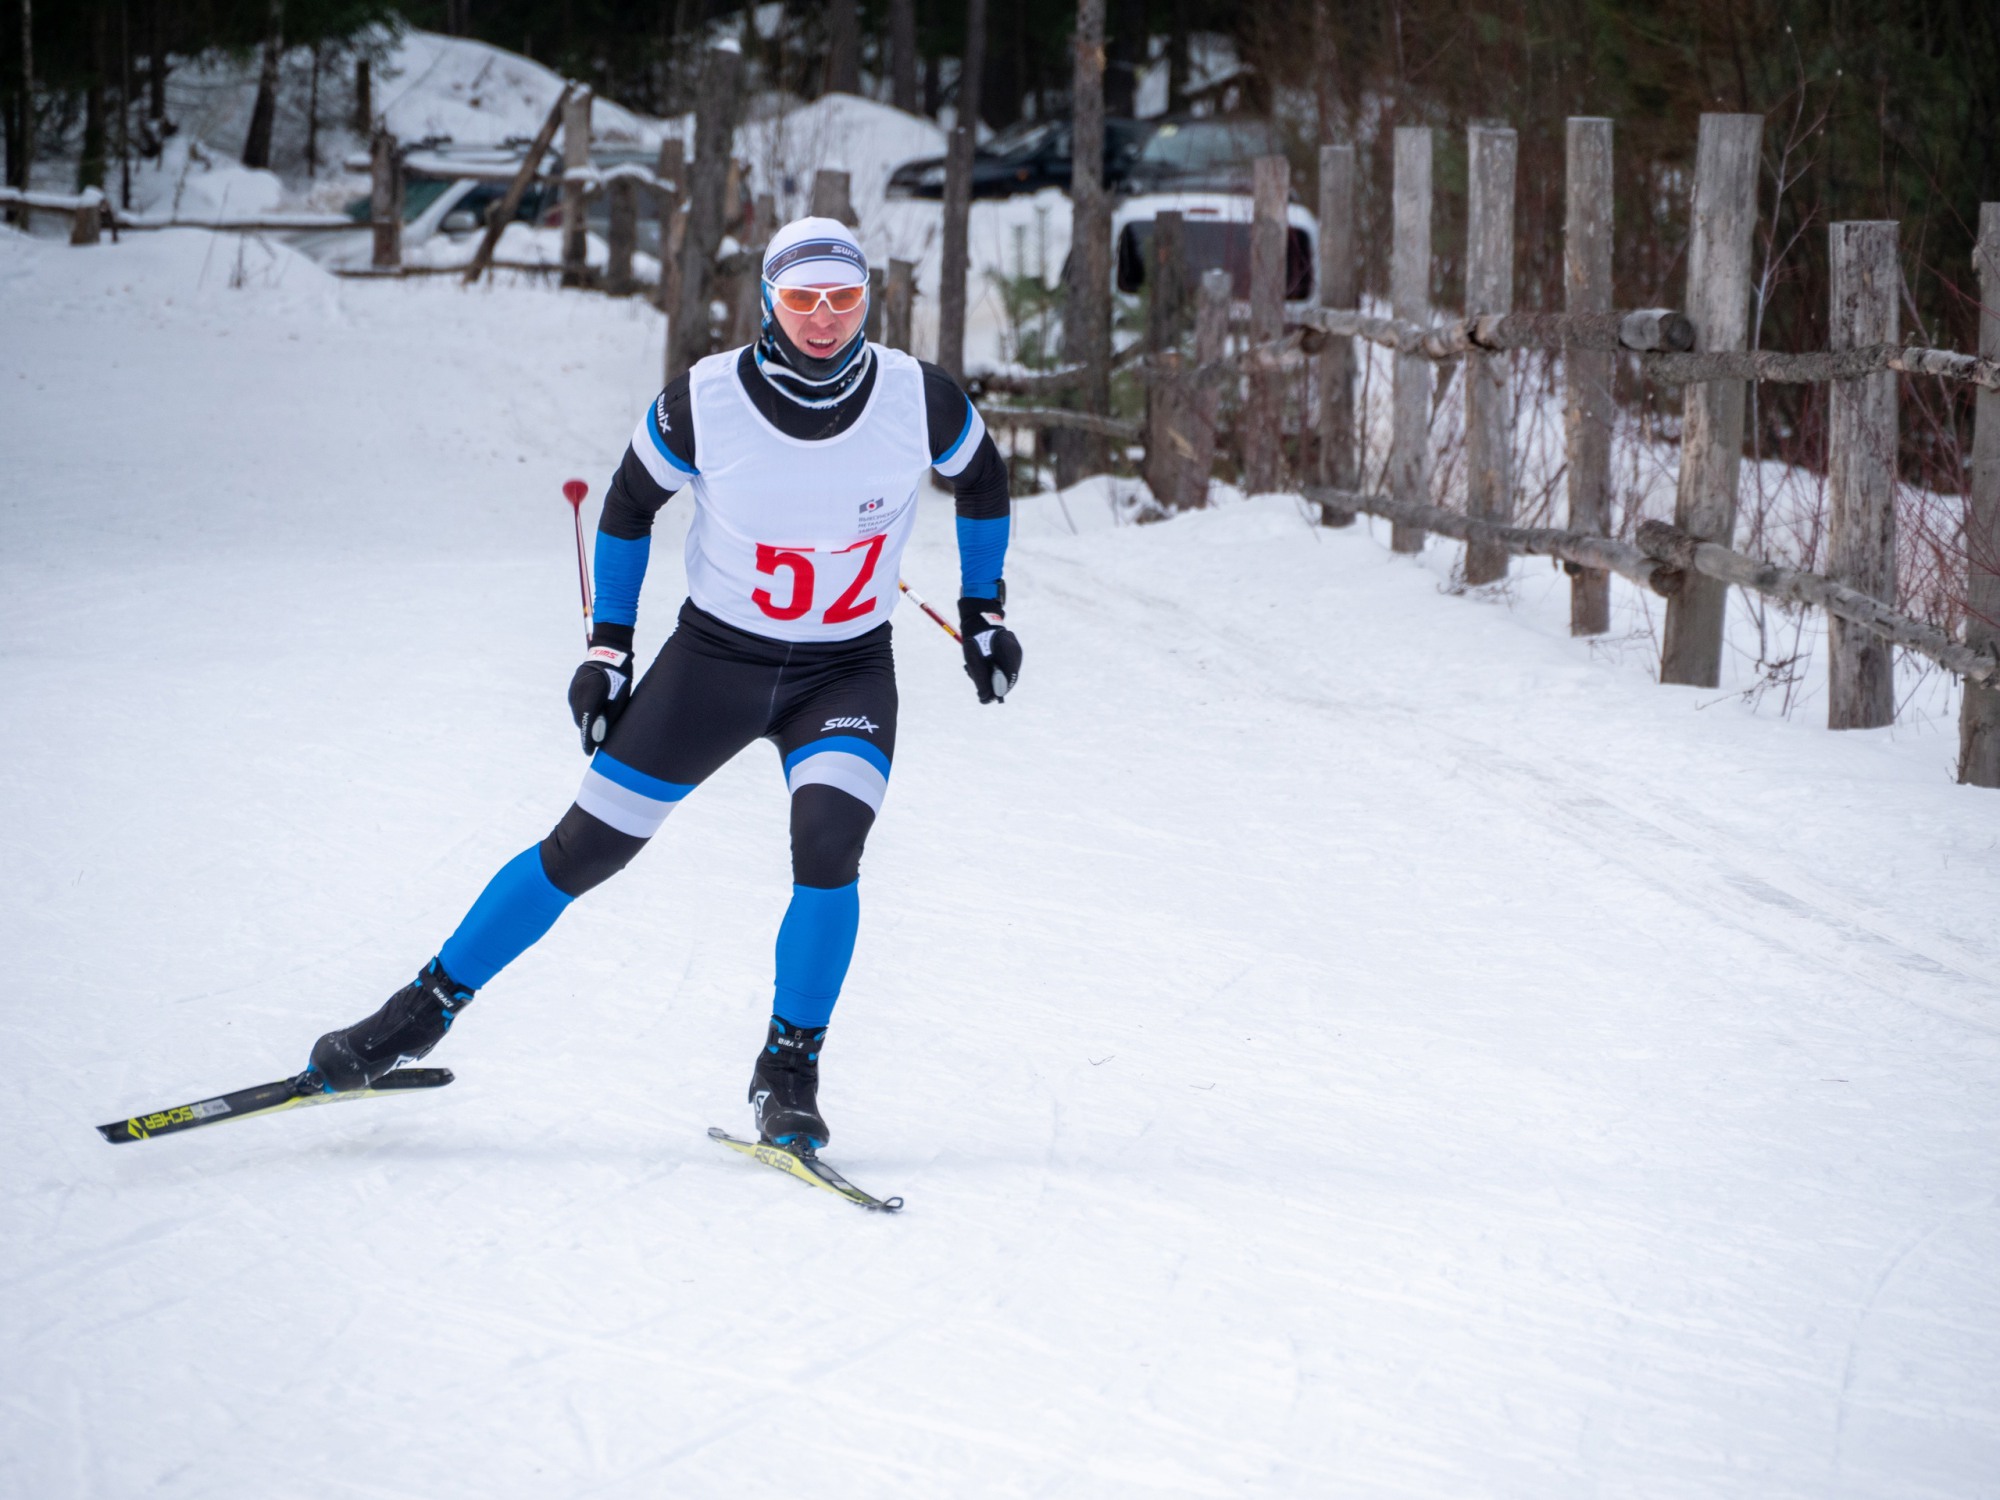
1334,1038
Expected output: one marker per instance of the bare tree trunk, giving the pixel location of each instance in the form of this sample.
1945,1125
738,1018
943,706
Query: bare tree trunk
312,117
257,145
1410,297
364,97
1979,712
1125,56
23,214
1177,58
958,195
1087,307
903,55
156,70
1166,385
715,129
843,57
90,165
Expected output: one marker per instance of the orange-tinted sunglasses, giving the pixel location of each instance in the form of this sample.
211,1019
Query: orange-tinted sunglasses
805,300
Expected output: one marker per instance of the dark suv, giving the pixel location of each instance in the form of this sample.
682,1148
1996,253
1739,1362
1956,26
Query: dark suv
1205,155
1025,158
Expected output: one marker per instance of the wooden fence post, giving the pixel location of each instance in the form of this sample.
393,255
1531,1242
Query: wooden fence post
1166,393
385,200
900,298
1979,710
1339,454
670,170
1588,373
831,197
1410,299
576,156
715,129
1724,218
86,222
622,195
1261,434
1861,472
1211,336
750,280
878,289
1489,399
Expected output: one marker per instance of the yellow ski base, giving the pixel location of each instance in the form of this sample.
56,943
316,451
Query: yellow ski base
808,1168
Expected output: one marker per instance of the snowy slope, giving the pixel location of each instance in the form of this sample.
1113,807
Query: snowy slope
1334,1038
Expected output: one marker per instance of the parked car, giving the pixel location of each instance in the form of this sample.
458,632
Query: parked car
1211,154
1025,158
438,200
1215,235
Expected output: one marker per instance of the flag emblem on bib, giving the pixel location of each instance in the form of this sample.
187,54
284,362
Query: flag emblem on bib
869,507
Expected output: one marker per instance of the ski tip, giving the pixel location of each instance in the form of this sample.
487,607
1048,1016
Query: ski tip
121,1130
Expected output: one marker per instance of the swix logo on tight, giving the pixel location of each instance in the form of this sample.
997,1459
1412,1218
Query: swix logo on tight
860,721
795,540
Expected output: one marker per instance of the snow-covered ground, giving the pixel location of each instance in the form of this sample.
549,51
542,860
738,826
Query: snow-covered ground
1335,1038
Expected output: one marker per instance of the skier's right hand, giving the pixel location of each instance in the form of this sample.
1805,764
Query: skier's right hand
602,685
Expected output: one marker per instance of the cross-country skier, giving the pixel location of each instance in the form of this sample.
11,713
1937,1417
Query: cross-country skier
803,454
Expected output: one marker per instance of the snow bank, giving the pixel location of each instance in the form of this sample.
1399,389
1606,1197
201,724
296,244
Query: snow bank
477,95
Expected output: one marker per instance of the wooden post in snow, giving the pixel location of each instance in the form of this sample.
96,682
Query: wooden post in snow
749,320
1410,300
1725,215
86,221
1979,710
831,197
878,294
671,170
385,200
1489,288
576,157
899,298
1588,373
714,131
1211,335
1339,453
1166,384
1262,437
622,198
502,214
1861,472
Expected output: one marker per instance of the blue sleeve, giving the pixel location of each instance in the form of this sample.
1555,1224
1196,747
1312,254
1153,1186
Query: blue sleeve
621,570
982,555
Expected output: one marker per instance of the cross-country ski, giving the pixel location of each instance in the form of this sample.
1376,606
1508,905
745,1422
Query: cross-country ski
264,1099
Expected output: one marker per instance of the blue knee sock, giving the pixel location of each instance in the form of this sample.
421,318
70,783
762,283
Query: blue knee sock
815,944
510,916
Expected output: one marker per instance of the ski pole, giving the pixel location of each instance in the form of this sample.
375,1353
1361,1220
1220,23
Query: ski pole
918,600
1000,683
573,491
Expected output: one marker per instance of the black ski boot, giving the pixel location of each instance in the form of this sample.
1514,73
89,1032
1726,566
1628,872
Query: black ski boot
784,1089
409,1024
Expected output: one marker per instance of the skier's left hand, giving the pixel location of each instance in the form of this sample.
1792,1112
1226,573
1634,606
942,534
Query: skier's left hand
992,651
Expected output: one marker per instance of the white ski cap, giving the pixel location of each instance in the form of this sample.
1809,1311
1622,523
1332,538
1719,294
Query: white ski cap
815,252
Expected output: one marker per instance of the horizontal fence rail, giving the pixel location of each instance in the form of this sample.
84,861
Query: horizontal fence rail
1662,560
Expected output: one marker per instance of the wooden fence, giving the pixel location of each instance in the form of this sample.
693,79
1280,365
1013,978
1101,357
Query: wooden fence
1185,364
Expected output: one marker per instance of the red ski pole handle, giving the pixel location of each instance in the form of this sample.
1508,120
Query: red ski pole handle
574,491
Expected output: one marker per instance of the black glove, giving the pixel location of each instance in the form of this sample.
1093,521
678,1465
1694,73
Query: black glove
602,686
992,651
